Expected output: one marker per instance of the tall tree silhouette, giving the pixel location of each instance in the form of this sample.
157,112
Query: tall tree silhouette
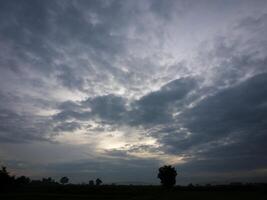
5,178
167,174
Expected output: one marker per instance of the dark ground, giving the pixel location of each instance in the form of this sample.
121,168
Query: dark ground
77,192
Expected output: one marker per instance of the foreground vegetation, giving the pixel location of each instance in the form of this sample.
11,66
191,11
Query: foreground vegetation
68,192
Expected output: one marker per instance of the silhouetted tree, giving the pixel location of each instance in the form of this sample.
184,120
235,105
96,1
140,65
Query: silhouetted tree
4,175
98,181
6,181
64,180
91,182
167,174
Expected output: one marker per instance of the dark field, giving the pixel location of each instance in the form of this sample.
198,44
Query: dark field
135,192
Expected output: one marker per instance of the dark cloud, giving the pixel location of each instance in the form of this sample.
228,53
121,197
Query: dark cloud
227,129
234,110
66,115
254,23
68,126
38,33
109,107
153,108
23,128
226,126
158,107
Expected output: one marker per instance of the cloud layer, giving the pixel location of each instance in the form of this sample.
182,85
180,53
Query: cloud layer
134,85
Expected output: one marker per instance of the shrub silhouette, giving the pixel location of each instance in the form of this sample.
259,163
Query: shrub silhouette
91,183
167,174
23,180
98,181
48,181
64,180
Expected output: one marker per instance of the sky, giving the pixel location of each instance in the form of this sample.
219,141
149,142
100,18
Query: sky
117,88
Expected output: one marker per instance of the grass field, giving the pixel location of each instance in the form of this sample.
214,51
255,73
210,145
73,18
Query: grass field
132,193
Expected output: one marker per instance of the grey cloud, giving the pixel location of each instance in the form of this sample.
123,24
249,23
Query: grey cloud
143,148
153,108
109,107
173,91
124,152
19,120
23,128
229,59
57,32
241,108
158,106
227,129
65,115
67,126
69,79
253,23
164,8
69,105
24,27
31,30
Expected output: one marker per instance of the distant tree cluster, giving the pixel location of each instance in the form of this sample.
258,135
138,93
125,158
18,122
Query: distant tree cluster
167,174
6,180
97,182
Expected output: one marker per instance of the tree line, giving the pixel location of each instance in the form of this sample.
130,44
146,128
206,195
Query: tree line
9,181
167,175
